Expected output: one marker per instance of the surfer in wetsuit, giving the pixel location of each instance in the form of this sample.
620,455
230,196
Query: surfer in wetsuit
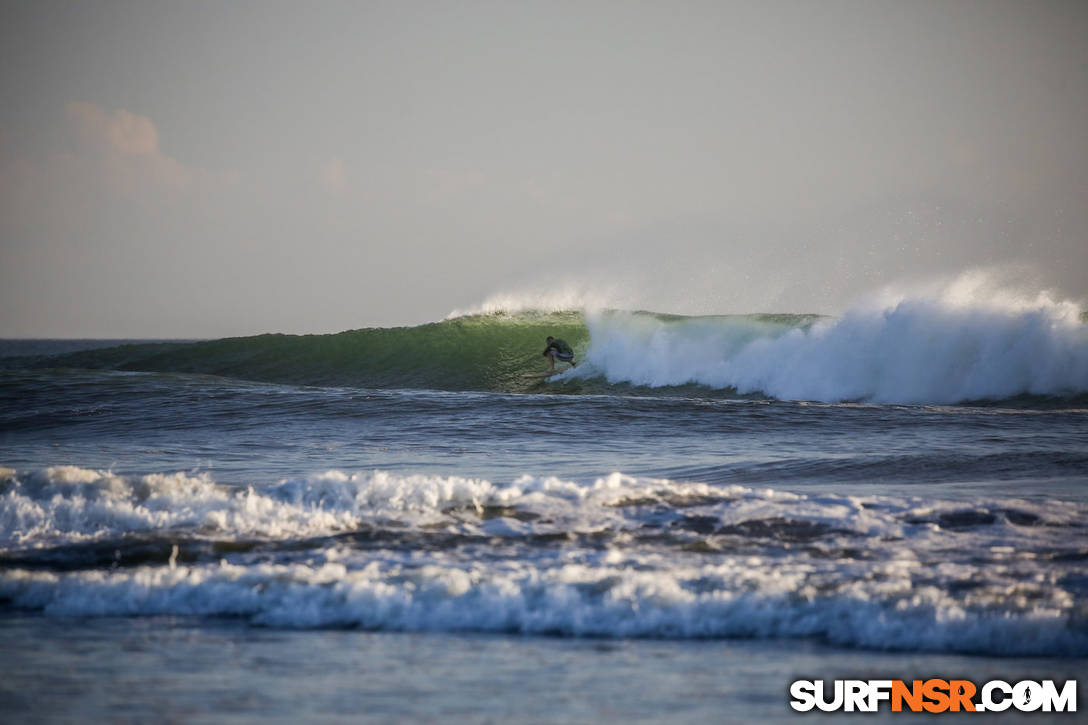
559,349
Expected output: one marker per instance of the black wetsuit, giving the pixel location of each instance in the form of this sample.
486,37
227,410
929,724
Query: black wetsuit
563,351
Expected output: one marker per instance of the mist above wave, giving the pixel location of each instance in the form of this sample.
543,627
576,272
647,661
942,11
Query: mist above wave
962,341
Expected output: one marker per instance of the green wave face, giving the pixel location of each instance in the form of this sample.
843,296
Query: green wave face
914,353
497,352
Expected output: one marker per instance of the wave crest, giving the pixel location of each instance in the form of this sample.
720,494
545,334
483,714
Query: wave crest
957,344
964,341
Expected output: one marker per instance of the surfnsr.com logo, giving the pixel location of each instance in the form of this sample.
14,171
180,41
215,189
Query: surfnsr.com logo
933,695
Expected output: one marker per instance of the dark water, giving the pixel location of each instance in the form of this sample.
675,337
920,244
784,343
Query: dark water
514,548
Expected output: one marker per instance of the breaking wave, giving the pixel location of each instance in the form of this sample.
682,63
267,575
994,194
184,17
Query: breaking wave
941,348
962,342
616,556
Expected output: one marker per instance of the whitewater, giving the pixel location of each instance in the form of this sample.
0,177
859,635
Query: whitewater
620,556
958,342
915,351
727,500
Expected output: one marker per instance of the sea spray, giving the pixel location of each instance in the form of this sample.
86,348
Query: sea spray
952,346
963,341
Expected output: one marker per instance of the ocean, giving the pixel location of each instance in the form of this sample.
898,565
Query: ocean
415,525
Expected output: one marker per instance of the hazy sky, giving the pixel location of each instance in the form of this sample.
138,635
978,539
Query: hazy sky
203,169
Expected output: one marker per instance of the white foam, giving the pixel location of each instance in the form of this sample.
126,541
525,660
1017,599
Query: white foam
962,341
876,571
67,503
886,606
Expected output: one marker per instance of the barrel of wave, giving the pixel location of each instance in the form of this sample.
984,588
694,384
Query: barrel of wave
498,351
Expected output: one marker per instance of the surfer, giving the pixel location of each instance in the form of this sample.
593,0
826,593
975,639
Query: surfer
559,349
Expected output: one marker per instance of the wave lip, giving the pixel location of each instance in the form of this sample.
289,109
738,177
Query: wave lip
922,349
489,352
963,342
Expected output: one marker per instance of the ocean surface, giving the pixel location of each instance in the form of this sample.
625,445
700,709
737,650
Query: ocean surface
415,525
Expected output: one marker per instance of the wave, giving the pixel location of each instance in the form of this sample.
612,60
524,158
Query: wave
616,556
493,352
958,343
949,346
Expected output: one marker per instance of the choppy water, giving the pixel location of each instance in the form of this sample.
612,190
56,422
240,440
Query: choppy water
655,493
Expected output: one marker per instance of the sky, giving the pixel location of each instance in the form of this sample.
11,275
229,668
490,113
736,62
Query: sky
205,169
